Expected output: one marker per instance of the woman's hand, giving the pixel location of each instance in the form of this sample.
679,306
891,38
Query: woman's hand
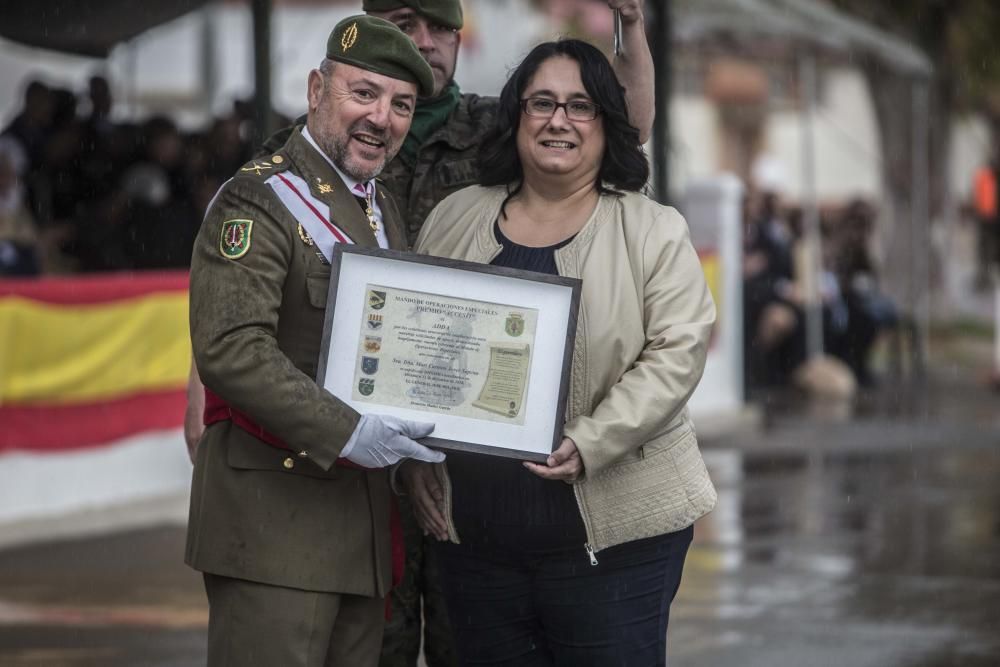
564,463
428,498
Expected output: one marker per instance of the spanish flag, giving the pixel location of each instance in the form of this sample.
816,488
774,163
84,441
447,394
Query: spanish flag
86,361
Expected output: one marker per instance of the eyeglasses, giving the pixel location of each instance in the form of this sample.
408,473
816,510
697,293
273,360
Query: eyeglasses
543,107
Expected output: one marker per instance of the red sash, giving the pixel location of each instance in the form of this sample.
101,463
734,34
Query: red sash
217,410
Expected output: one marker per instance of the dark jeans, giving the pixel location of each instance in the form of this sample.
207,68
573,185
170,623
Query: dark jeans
513,603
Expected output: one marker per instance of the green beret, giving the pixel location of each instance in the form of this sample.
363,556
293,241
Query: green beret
378,46
443,12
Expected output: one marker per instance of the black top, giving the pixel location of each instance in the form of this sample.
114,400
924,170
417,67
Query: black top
500,492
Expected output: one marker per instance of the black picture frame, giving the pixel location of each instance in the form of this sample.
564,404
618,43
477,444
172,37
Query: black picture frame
558,297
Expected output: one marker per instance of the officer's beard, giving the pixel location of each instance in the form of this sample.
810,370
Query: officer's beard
339,149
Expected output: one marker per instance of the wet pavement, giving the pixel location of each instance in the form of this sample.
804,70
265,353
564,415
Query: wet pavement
864,535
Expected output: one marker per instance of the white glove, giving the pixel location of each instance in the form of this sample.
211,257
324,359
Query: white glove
381,440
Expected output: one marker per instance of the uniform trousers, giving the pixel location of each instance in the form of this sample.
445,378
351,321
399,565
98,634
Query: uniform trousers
514,598
252,624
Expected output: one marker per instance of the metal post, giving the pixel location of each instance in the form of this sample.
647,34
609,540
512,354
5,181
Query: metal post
660,37
920,247
262,70
996,330
810,212
207,62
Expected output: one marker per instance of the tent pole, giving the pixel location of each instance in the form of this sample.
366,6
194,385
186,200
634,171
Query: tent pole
208,64
263,120
813,251
920,223
659,33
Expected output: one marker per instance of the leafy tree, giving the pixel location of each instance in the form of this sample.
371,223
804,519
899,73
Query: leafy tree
960,37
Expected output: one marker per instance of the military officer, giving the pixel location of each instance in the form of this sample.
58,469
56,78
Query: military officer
290,506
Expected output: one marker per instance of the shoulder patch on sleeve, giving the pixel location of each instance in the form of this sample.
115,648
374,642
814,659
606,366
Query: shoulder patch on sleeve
234,241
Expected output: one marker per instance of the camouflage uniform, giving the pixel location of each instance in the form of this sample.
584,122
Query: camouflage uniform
446,163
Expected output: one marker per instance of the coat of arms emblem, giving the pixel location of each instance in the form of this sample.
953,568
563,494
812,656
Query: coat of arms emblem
374,321
369,365
235,240
366,386
373,344
514,326
376,300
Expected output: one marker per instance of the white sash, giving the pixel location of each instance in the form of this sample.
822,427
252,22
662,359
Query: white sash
311,213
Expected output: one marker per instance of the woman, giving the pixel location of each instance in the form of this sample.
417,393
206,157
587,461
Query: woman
576,562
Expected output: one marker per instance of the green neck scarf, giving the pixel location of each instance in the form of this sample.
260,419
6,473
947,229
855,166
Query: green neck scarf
429,115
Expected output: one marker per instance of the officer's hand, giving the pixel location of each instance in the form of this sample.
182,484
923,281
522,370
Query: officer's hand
381,440
428,498
194,424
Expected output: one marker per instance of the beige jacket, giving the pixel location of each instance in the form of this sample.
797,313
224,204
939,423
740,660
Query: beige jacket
645,319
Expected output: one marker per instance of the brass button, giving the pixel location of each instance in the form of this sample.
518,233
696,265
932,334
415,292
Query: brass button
289,463
277,159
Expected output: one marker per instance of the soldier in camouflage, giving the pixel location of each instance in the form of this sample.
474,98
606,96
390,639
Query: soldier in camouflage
440,152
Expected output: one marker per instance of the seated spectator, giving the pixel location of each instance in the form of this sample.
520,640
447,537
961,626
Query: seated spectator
19,247
773,339
160,224
869,310
31,126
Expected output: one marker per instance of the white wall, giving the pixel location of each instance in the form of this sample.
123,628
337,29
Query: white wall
694,140
846,141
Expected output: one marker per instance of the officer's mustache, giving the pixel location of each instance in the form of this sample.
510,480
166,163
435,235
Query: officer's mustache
367,127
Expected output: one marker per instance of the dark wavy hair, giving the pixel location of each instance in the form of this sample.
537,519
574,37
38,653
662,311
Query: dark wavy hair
623,164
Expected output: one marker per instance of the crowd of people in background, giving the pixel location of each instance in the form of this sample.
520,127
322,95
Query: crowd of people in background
854,309
81,193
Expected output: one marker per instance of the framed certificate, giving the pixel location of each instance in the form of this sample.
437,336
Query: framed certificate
483,352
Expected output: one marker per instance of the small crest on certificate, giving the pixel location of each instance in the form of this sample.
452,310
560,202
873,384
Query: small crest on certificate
374,321
366,386
376,299
373,344
514,326
369,365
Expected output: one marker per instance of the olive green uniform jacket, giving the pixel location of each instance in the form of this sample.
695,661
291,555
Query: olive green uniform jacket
281,517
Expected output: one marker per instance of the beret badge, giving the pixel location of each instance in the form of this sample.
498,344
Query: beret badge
350,37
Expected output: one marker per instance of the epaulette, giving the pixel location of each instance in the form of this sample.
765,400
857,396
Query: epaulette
264,168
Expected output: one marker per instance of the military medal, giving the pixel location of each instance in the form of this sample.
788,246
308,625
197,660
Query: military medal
304,235
370,212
